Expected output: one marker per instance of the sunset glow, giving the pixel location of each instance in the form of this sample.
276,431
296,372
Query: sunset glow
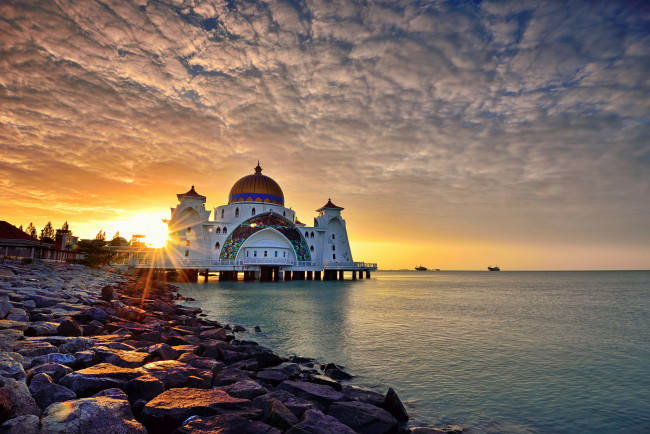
455,134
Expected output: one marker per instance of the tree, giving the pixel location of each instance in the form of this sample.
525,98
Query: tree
65,226
21,228
117,235
101,235
31,230
96,253
47,234
118,242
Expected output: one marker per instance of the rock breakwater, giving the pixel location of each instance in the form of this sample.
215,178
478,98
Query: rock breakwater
97,351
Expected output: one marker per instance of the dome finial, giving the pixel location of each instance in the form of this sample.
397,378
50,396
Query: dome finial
258,169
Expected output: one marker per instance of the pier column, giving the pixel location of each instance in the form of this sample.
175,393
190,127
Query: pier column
287,275
310,275
278,275
341,275
367,274
360,274
317,275
354,274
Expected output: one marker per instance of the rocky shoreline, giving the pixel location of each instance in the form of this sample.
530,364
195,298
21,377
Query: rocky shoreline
90,351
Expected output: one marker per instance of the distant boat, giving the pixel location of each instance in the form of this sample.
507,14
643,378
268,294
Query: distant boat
421,268
495,268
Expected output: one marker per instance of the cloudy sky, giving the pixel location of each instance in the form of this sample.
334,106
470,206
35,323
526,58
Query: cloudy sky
454,133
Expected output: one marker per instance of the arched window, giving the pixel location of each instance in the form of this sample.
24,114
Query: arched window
222,211
284,214
236,212
218,229
217,246
306,234
333,248
253,211
225,231
333,236
312,235
311,249
334,256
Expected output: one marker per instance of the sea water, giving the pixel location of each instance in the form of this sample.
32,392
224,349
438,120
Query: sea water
521,352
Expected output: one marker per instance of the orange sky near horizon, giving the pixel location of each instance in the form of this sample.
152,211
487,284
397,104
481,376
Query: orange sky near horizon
456,134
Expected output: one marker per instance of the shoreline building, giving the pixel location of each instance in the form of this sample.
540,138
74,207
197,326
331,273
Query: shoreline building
255,233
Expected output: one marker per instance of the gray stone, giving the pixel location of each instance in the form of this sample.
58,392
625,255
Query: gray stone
315,422
247,389
280,416
319,393
76,345
28,424
16,314
169,409
273,377
394,406
54,370
34,348
95,313
225,424
15,399
10,368
171,372
69,327
61,359
100,414
322,379
144,388
353,393
163,352
45,392
41,328
5,306
14,325
89,381
363,418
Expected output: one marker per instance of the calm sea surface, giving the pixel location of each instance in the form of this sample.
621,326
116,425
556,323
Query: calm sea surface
520,352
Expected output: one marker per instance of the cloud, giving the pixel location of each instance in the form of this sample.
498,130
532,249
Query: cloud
527,118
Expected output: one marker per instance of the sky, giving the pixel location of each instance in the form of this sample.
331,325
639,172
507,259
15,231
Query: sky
456,134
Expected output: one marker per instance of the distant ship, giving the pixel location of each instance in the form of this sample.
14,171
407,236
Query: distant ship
421,268
495,268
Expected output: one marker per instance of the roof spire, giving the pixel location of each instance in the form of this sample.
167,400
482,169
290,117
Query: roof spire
258,169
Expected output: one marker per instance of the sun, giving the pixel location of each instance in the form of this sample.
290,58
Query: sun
149,224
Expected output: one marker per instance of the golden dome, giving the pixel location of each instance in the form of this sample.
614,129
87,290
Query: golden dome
256,188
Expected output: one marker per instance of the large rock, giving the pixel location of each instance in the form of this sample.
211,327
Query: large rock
89,381
322,379
247,389
225,424
5,306
353,393
144,387
273,377
315,422
69,327
168,410
172,372
10,368
394,406
56,371
76,345
106,412
41,328
108,292
297,406
363,418
45,392
14,325
319,393
95,313
21,425
34,348
15,400
60,358
279,415
127,359
163,352
16,314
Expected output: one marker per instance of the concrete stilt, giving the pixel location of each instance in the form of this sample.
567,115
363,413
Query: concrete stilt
354,274
317,275
367,274
340,274
287,275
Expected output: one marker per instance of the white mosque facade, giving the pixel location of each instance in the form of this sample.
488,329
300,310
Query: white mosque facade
255,233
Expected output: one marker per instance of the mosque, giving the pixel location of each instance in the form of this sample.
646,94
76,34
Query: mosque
257,235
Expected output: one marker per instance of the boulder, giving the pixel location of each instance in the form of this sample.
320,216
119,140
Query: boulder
168,410
62,359
144,387
34,348
363,418
319,393
131,313
15,400
353,393
41,328
89,381
76,345
394,406
13,325
127,359
56,371
225,424
95,313
337,374
69,327
5,306
229,375
273,377
10,368
219,334
17,314
322,379
94,328
171,372
108,411
279,415
247,389
108,293
315,422
21,425
45,392
163,352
